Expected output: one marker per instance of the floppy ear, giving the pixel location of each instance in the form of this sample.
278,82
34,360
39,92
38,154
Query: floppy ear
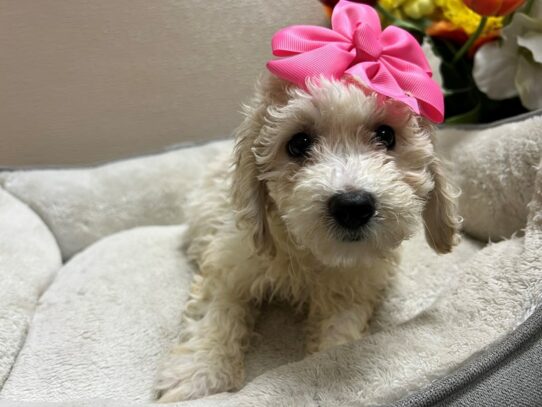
249,193
440,212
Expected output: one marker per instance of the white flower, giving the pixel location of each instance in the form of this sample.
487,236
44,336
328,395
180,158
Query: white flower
513,66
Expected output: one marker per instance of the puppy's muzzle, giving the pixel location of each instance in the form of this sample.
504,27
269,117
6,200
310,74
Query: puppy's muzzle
352,210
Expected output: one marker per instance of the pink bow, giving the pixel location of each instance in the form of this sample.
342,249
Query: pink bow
389,62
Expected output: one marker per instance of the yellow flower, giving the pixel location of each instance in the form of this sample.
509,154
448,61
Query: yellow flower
409,8
418,8
391,5
454,11
460,15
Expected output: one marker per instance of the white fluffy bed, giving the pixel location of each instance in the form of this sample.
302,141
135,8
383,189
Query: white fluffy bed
94,281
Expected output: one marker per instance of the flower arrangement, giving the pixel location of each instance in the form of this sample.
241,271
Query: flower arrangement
488,52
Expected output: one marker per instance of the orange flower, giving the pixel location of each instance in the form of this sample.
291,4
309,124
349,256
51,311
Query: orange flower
483,39
328,9
493,7
446,30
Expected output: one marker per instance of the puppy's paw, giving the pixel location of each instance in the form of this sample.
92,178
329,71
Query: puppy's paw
338,329
185,376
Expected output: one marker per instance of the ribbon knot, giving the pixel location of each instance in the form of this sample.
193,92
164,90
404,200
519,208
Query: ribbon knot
389,62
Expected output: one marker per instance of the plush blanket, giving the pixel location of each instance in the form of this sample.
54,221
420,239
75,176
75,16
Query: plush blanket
95,328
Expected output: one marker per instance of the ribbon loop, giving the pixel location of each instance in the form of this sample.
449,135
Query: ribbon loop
367,43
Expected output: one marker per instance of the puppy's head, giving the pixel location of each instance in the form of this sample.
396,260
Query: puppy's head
348,173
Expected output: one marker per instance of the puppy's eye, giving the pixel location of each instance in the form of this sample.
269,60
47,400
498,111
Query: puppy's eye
299,145
385,135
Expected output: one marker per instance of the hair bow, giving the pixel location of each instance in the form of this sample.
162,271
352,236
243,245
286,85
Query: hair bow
389,62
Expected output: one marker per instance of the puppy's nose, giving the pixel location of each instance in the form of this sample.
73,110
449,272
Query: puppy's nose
352,210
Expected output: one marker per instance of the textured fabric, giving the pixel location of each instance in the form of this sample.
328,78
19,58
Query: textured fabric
507,373
81,206
517,382
101,327
489,164
29,258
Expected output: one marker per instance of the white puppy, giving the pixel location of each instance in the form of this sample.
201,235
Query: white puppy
325,185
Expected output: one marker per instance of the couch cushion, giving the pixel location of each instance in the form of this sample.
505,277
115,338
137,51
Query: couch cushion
495,166
105,321
85,204
29,258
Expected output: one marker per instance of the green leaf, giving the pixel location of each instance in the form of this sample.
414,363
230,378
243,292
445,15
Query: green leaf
471,116
458,102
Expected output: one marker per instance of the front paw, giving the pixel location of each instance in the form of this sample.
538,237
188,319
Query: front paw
338,329
187,375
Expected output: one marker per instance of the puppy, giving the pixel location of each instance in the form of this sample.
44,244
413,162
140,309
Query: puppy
326,183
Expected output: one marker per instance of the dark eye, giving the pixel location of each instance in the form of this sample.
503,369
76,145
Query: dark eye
299,145
385,135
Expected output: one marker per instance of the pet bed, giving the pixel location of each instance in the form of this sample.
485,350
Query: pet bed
94,281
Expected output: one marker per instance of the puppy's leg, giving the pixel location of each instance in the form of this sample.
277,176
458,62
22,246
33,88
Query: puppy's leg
337,324
210,357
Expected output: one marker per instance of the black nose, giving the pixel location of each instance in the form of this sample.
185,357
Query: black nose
352,210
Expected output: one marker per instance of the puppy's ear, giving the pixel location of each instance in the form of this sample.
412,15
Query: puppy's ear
249,193
440,212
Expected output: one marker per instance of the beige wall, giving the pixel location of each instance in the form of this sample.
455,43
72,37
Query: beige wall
83,81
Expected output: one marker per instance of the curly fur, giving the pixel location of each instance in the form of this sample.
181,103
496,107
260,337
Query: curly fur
259,228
